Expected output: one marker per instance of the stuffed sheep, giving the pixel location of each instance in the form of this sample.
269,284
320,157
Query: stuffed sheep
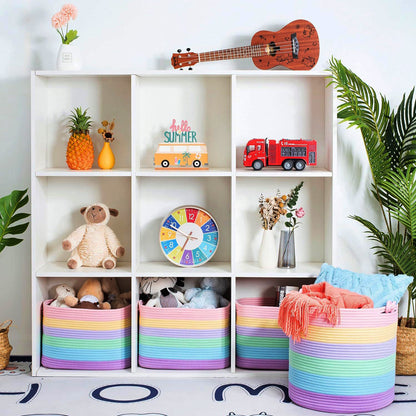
94,244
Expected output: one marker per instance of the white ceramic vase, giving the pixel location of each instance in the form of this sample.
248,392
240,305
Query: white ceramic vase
69,58
268,253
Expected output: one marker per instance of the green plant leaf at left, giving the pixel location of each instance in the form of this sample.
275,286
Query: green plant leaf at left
9,204
70,36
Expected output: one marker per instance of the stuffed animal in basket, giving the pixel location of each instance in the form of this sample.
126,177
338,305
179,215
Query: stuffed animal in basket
208,296
111,289
89,296
94,243
62,292
162,292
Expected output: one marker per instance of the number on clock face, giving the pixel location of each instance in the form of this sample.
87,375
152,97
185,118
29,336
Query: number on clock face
189,236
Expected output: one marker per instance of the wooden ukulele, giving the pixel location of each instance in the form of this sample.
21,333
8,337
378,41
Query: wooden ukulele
296,46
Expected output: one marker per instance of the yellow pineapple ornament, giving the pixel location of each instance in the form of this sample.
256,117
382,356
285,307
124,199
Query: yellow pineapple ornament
80,150
106,159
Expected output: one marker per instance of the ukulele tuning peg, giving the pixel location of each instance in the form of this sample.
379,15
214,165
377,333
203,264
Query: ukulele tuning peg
179,50
188,49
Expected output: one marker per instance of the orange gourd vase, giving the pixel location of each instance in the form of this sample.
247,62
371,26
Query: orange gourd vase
106,157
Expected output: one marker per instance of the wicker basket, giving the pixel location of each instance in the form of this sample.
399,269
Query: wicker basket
406,348
5,346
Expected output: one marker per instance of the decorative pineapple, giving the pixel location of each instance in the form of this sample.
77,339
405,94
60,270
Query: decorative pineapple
80,150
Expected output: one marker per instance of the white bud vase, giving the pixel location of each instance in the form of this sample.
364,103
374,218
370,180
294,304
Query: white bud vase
268,253
69,58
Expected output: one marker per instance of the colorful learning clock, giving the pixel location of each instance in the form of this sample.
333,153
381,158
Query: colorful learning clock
189,236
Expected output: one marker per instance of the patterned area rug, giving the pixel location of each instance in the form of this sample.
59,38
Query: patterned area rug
251,395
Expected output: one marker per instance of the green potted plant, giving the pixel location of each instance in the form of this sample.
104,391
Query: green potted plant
389,138
10,225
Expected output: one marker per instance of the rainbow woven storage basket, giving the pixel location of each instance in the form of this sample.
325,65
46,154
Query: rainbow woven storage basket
260,342
182,338
349,368
85,339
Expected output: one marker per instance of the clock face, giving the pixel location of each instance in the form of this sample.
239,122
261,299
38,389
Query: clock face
189,236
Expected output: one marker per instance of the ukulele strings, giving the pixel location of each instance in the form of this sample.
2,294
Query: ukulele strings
253,50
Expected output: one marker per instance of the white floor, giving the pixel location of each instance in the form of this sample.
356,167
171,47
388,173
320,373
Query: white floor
24,395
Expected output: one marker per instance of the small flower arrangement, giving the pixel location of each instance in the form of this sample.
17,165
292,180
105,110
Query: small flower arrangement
61,19
272,209
107,131
292,213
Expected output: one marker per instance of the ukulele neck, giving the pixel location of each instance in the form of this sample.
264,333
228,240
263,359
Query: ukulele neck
234,53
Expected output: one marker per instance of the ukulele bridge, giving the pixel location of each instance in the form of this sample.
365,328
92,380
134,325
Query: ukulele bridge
295,46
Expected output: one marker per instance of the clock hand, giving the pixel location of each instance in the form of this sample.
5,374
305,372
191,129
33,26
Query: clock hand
186,242
181,232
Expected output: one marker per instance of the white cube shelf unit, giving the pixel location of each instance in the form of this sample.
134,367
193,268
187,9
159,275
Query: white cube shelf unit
226,109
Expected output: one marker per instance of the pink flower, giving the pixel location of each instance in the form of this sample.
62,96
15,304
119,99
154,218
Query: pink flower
70,11
59,20
300,212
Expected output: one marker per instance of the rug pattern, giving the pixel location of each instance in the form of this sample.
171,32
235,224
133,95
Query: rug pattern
251,395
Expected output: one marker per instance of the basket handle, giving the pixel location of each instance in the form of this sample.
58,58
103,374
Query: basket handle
5,325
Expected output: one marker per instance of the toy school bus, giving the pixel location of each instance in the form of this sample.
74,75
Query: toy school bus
181,156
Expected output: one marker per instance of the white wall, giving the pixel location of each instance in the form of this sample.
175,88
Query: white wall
372,37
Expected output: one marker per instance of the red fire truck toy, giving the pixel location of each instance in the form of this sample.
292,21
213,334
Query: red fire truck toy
288,153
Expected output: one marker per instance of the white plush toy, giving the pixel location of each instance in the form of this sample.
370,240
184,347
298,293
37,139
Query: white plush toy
94,244
62,291
208,295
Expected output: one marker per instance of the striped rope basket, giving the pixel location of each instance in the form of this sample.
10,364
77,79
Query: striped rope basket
85,339
260,342
349,368
182,338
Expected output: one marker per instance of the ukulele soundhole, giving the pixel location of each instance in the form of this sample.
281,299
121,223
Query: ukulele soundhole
273,48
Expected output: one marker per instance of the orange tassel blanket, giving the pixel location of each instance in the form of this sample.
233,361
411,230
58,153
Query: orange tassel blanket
317,299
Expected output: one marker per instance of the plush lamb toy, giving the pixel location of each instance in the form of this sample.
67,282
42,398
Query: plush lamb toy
208,296
62,291
162,292
94,244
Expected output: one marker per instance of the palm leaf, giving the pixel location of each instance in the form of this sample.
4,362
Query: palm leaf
397,254
361,107
9,204
404,130
402,187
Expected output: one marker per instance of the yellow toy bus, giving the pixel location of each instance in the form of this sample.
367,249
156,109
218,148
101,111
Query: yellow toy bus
181,156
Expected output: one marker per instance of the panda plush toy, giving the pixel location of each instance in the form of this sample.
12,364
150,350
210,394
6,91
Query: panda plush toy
162,292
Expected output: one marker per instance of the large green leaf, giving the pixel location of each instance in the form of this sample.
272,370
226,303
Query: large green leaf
361,107
397,253
404,132
9,204
402,187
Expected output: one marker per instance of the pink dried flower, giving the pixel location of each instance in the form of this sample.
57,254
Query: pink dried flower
300,212
59,19
70,11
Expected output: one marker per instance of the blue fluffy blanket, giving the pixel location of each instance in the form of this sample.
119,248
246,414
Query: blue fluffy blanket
379,287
